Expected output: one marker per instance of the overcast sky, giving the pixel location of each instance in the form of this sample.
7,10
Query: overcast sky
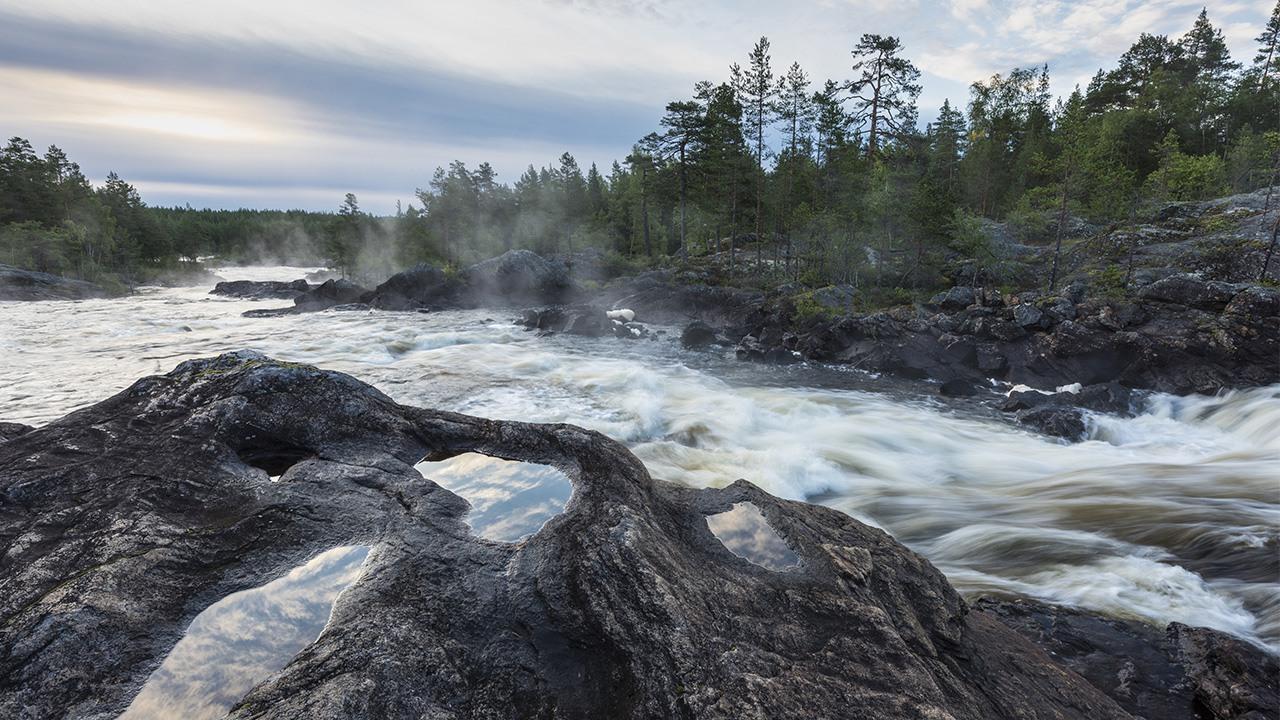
291,103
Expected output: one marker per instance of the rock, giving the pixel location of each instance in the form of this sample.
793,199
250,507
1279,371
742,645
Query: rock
261,290
836,298
1180,673
29,285
753,349
589,322
1255,302
697,334
422,286
1189,290
956,298
517,276
125,519
11,430
1102,397
958,388
1055,420
328,294
1028,316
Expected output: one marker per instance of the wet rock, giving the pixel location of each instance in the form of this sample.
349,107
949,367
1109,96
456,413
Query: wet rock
261,290
516,277
29,285
697,334
754,349
1189,290
1054,420
328,294
958,388
125,519
11,430
422,286
1179,673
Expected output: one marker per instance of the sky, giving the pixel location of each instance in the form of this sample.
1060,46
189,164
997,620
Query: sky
292,103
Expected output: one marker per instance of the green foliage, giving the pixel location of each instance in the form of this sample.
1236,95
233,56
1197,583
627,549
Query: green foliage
1186,177
1109,281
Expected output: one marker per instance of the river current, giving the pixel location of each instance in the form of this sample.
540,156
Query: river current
1170,515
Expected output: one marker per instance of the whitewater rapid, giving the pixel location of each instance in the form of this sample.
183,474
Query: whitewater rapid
1171,515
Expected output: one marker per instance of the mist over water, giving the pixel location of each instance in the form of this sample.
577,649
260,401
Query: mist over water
1171,515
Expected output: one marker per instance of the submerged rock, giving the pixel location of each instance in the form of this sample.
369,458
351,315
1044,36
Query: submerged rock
1056,420
29,285
125,519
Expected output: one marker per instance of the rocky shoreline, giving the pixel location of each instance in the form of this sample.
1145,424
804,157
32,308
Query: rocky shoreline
125,519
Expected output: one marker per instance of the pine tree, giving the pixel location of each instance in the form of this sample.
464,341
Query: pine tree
1266,60
885,89
755,89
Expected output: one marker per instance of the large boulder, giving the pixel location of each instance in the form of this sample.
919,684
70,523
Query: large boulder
125,519
29,285
697,334
422,286
956,298
517,277
11,430
262,290
1192,291
328,294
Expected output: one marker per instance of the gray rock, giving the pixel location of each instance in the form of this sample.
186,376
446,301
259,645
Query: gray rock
422,286
1054,420
1189,290
517,276
956,298
11,430
1027,316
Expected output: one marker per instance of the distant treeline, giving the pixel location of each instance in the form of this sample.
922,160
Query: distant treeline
813,182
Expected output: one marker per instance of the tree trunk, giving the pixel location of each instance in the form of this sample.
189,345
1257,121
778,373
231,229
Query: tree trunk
644,210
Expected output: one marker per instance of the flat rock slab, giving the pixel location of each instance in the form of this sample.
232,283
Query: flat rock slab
121,522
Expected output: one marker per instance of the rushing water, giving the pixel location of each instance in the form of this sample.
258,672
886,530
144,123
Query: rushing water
1172,515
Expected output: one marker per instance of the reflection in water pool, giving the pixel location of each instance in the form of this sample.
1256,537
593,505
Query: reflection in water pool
240,640
509,500
746,533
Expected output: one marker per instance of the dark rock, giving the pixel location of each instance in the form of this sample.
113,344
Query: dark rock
958,388
1056,420
1255,302
697,334
1180,673
29,285
422,286
137,513
956,298
1026,399
991,360
1102,397
328,294
516,277
589,322
11,430
1189,290
261,290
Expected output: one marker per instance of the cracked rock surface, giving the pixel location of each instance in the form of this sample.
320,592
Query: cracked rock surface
121,522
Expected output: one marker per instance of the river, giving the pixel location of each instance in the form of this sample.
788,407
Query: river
1170,515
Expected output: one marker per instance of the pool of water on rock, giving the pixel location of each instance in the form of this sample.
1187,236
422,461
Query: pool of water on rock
509,500
745,531
242,639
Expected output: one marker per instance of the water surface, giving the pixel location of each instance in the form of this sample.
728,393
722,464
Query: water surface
1171,515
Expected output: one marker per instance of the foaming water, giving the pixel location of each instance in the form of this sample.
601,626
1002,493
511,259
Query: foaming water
1170,515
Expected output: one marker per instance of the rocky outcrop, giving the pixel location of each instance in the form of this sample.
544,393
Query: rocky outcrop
125,519
1180,334
1179,673
517,277
329,294
660,298
29,285
423,286
585,320
697,334
262,290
